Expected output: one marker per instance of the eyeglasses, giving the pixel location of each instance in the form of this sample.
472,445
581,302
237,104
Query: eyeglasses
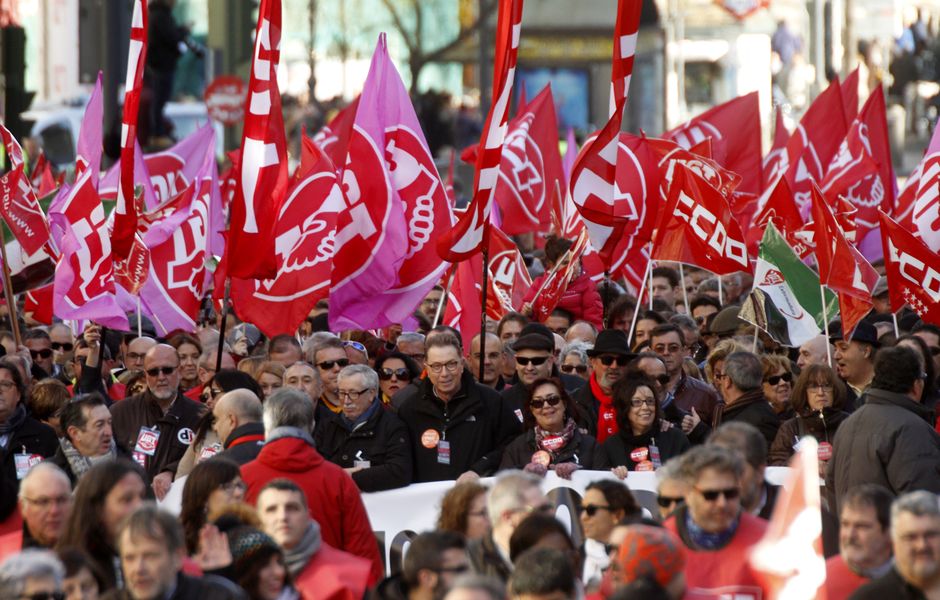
385,374
232,486
44,502
451,365
591,509
355,346
775,379
582,369
638,402
717,375
44,353
352,394
667,501
456,570
328,365
609,359
135,355
155,371
6,386
44,596
66,347
525,361
538,403
663,348
820,387
712,495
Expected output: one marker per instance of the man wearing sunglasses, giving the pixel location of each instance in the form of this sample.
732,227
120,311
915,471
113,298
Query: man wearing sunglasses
157,425
609,358
534,356
40,350
717,534
63,343
329,357
33,575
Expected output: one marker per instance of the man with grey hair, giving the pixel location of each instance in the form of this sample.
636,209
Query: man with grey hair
289,453
237,422
31,574
742,389
513,497
303,376
915,536
369,442
45,501
411,344
329,357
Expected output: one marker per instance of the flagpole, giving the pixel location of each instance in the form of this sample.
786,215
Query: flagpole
486,284
685,293
140,328
636,311
754,344
649,290
894,318
8,291
221,347
440,305
822,295
721,300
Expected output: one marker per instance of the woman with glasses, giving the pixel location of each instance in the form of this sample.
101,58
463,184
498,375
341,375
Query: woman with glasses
206,443
395,370
778,384
211,485
552,439
641,443
818,398
605,504
574,360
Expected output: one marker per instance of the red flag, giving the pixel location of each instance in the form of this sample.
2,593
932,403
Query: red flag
38,304
305,231
775,163
333,139
262,170
13,148
849,89
595,179
789,559
43,180
125,211
780,210
919,208
131,273
697,227
862,172
21,211
841,266
530,168
467,237
913,271
671,154
556,283
735,130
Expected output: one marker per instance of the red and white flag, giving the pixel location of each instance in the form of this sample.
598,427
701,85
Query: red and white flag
918,206
467,237
556,283
913,271
774,164
262,170
19,206
530,170
782,211
735,132
595,186
125,211
697,227
841,266
333,138
669,154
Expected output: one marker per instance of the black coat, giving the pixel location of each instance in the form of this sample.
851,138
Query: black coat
670,443
823,429
516,394
243,444
164,36
476,422
486,559
752,408
583,450
382,440
206,587
33,437
588,406
891,585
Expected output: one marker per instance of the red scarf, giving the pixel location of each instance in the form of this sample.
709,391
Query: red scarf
606,416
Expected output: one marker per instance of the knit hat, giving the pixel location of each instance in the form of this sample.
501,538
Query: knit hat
652,552
250,545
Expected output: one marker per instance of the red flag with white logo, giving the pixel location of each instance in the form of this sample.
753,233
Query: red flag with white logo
333,138
697,227
125,211
841,265
735,132
467,236
913,271
918,208
21,211
669,154
780,210
530,169
774,164
850,96
262,170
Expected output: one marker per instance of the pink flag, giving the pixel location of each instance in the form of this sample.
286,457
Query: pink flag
88,150
84,278
385,257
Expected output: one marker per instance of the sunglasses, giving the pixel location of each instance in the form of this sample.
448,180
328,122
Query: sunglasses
329,364
402,374
158,370
572,368
712,495
540,402
525,361
355,345
591,509
662,379
610,359
775,379
44,353
66,347
667,501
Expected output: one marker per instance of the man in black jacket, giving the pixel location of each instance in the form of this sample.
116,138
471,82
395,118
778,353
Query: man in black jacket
163,52
742,389
458,428
609,358
237,422
88,439
534,356
157,425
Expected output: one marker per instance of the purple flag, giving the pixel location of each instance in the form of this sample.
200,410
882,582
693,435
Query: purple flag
88,150
385,258
571,154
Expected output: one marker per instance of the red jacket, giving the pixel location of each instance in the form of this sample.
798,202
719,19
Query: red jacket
841,581
332,497
580,299
333,575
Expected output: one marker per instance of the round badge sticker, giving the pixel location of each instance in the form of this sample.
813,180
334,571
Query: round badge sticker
824,451
185,436
542,458
639,454
645,466
430,438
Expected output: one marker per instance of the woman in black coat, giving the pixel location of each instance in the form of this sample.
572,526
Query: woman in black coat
641,444
551,439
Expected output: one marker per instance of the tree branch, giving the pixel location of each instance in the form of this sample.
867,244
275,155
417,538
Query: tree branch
411,40
470,30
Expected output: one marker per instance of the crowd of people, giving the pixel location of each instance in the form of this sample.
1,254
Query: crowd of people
274,441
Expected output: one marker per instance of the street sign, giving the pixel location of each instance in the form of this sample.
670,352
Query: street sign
225,99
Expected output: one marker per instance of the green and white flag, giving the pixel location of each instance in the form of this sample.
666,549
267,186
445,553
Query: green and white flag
785,301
